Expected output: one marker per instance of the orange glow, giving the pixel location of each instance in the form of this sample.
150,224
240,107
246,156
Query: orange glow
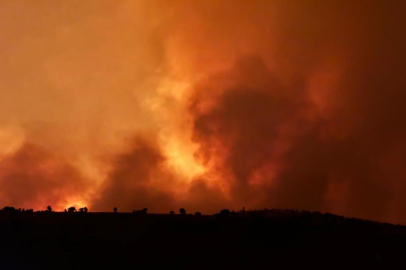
203,105
77,204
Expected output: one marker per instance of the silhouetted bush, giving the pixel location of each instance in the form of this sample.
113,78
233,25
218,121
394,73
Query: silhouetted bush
198,214
142,212
9,209
172,212
49,208
224,212
115,209
182,211
71,209
85,209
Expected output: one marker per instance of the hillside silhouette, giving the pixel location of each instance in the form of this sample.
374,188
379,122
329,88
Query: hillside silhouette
78,239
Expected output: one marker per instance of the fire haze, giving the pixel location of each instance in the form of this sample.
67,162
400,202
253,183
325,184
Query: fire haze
205,105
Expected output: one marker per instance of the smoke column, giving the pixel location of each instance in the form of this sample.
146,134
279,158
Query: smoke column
204,105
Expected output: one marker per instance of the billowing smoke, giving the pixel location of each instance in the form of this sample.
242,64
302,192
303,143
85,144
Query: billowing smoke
138,179
271,149
205,104
34,178
141,177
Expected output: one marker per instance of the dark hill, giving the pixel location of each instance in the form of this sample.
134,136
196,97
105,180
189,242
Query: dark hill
250,240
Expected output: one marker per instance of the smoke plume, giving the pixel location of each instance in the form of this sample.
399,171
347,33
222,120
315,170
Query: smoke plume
204,105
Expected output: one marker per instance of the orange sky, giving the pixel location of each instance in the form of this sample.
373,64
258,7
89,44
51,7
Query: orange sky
204,105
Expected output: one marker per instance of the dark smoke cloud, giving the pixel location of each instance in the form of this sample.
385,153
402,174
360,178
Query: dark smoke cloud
140,178
309,117
204,198
32,177
137,179
345,158
295,104
246,129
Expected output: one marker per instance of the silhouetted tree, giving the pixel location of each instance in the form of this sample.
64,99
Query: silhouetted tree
198,214
71,209
182,211
225,212
85,209
145,210
49,208
115,209
65,210
9,209
172,212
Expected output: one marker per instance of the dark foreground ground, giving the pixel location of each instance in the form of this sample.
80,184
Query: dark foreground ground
255,240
